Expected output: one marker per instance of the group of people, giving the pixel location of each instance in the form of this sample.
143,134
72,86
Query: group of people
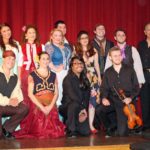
59,88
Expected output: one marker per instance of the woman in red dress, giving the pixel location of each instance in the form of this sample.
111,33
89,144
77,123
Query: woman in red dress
42,120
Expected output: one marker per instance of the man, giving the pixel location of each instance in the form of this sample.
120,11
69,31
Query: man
60,24
101,44
144,51
130,55
118,76
10,96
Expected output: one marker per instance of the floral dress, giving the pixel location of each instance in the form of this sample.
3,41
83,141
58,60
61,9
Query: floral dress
93,78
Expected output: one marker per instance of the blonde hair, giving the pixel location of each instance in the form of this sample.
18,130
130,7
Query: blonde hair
55,30
115,48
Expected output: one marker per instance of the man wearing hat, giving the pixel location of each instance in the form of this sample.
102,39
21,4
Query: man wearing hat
10,96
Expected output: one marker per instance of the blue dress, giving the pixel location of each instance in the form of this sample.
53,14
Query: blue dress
59,57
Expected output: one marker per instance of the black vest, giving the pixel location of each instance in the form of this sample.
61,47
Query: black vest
41,84
128,60
7,88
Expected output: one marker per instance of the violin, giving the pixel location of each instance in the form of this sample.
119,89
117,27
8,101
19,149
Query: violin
130,111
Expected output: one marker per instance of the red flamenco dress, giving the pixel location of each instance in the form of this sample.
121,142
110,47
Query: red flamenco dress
37,124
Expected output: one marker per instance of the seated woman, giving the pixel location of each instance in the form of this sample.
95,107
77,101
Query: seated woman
75,101
42,121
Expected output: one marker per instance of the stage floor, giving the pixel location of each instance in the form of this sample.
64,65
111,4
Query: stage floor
92,142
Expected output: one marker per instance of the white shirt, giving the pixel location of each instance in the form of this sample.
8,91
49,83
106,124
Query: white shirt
136,63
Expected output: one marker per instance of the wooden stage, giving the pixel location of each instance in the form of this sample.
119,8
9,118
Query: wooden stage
92,142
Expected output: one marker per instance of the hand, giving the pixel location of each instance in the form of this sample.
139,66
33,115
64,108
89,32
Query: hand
105,102
45,111
82,115
13,102
140,85
83,111
98,100
93,92
127,100
48,109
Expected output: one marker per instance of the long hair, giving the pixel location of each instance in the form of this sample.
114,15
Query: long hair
11,41
25,30
78,47
84,82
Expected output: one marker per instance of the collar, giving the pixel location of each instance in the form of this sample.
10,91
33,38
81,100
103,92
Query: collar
100,41
122,46
2,71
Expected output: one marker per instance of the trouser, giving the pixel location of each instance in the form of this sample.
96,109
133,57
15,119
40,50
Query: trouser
106,115
117,107
17,114
71,113
145,104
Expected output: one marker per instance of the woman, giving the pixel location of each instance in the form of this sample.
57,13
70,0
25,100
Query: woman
31,47
76,92
8,43
60,55
42,120
90,56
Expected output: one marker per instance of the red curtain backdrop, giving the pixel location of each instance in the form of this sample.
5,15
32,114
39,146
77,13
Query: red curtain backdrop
78,14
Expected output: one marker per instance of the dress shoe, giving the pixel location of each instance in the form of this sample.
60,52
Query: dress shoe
111,132
7,134
71,134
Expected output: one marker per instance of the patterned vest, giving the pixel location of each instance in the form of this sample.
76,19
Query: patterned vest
41,84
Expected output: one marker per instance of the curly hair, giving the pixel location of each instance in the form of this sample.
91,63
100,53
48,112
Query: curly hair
84,82
37,40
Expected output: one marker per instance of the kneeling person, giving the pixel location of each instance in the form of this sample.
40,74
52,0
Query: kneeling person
10,96
76,93
118,77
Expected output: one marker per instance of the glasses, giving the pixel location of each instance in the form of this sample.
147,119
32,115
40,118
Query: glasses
78,63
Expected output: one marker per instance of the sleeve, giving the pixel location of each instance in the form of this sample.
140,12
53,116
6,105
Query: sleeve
104,89
43,48
4,100
70,91
17,92
111,44
138,66
49,49
20,56
135,84
108,63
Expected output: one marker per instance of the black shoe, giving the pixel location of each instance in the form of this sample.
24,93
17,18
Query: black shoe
108,133
111,132
71,134
7,134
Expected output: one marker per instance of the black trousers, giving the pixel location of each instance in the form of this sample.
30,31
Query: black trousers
71,114
145,104
17,114
117,106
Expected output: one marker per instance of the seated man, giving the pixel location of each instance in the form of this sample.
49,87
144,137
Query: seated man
117,77
76,93
10,96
